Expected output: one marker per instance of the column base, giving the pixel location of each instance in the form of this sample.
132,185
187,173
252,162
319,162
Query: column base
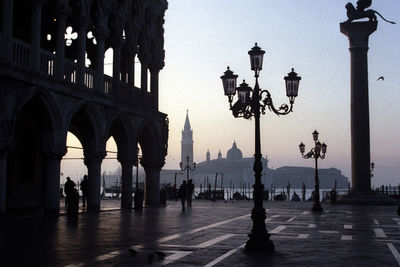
93,208
259,243
317,207
368,197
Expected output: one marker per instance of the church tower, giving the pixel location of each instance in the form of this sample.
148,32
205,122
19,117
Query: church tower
187,142
208,155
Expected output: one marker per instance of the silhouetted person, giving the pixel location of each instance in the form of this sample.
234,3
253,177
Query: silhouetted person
182,193
69,189
190,187
84,189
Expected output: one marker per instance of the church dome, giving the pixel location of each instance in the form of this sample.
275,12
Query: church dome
234,153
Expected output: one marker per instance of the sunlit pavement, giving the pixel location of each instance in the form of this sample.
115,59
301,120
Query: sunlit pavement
208,234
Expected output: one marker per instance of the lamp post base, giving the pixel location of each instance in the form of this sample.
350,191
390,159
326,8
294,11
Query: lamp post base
317,207
259,238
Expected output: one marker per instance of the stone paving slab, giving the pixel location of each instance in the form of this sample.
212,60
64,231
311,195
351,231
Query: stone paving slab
208,234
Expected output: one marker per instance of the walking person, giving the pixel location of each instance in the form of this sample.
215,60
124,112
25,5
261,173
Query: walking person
84,189
190,188
182,193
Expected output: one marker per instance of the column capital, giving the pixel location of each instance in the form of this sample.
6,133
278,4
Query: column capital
63,10
38,3
152,164
94,157
127,158
358,32
55,154
101,33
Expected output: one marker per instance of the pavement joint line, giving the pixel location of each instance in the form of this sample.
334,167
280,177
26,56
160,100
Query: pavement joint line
202,245
379,232
214,241
176,255
395,253
171,237
329,232
346,237
224,256
278,229
348,226
302,236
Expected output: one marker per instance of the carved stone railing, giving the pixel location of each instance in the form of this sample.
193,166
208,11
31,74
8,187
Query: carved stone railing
107,85
127,94
20,52
89,78
70,71
47,62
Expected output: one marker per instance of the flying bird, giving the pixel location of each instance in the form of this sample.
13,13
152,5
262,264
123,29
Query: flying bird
381,78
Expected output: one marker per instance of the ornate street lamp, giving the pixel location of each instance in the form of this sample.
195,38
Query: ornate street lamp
251,103
187,168
318,151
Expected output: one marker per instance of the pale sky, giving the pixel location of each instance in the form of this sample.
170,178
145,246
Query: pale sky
203,37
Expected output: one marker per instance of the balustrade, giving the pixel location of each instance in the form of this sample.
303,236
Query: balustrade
21,52
47,62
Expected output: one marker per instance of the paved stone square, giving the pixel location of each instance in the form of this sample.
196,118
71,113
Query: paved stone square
208,234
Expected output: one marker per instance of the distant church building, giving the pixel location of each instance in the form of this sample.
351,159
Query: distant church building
187,142
238,170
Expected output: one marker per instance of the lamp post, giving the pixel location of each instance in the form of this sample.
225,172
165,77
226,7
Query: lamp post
318,151
372,169
251,103
137,169
187,168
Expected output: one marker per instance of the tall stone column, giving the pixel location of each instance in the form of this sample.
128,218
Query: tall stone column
152,182
62,12
3,180
358,34
126,177
36,25
6,28
93,163
154,85
117,46
81,55
143,76
101,34
52,182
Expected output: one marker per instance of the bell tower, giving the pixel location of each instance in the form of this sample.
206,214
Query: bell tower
187,142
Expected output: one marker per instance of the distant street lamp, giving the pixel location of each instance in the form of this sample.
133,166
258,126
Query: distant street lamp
372,169
251,103
318,151
187,168
137,168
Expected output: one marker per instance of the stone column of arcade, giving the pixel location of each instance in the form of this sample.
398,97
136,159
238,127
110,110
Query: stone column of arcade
82,32
6,28
126,177
101,34
154,84
52,181
358,34
3,180
62,12
93,163
152,182
36,24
